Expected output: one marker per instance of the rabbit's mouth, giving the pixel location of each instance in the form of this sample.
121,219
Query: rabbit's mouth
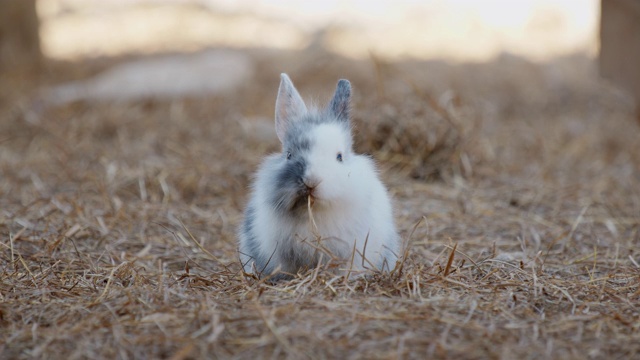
304,199
299,204
308,190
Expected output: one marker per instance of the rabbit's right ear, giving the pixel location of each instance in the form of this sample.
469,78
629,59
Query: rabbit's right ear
289,106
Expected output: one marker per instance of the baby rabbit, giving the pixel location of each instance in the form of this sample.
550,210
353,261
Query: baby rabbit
317,200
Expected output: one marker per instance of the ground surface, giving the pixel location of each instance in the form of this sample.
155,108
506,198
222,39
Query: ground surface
117,220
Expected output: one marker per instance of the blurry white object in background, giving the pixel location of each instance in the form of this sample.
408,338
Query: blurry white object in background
450,29
208,73
463,30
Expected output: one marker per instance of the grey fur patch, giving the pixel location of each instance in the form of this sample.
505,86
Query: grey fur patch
251,246
289,191
297,142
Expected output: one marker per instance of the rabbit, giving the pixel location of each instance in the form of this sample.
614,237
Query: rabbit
317,200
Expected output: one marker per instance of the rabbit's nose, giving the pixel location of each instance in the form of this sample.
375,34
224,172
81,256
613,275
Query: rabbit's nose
310,186
308,190
311,182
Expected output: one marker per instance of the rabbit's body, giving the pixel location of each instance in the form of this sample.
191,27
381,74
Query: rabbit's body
351,210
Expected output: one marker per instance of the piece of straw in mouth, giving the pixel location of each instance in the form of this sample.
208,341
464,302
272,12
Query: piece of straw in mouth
314,227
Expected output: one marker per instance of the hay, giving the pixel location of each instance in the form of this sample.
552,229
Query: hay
117,221
412,132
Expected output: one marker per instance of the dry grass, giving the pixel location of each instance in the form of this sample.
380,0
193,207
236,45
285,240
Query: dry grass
117,220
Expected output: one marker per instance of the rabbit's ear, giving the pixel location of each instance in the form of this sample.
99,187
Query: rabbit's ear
289,106
340,104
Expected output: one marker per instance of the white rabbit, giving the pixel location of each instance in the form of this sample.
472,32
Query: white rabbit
351,215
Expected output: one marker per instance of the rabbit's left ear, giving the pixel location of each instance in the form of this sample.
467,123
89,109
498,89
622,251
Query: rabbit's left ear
289,106
341,102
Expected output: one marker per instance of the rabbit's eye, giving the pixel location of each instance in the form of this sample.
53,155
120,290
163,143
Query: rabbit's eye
288,155
339,157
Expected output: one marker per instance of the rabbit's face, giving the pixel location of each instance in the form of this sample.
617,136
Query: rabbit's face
315,164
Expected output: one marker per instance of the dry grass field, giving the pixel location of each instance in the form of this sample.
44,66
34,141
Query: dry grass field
516,187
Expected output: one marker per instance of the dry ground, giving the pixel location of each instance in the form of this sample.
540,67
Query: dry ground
117,220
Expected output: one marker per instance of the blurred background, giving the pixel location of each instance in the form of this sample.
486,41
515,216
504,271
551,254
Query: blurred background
491,57
441,87
459,30
438,83
455,31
